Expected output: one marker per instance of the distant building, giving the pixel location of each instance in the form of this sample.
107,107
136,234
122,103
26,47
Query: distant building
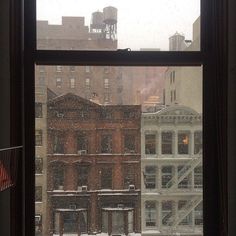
171,164
93,164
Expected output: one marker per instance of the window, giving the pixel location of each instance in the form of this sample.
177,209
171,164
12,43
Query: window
38,225
198,177
72,82
38,110
150,144
198,215
72,68
166,175
58,172
106,143
197,142
39,165
106,83
87,69
183,143
188,219
58,143
150,177
150,214
106,114
166,212
129,176
83,172
166,138
106,178
82,143
58,68
87,83
186,182
129,143
38,193
38,137
58,82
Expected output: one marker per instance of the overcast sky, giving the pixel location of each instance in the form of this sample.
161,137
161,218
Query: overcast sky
141,23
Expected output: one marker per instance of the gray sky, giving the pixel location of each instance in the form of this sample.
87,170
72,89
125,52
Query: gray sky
141,24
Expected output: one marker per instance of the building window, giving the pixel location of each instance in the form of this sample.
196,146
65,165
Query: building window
166,212
39,165
58,82
198,214
129,143
106,178
187,220
72,68
87,83
38,225
87,69
129,114
72,83
166,176
150,144
106,69
198,177
58,176
150,177
83,114
183,143
58,68
166,140
106,143
38,137
41,81
38,110
41,69
150,214
106,83
106,114
82,144
129,176
106,97
58,143
83,172
38,193
197,142
186,182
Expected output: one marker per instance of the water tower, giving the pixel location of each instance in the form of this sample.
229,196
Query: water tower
110,21
97,25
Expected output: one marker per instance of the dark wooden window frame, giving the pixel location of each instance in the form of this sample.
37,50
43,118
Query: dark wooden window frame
213,57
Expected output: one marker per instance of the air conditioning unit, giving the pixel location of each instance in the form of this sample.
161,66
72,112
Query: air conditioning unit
84,188
38,219
82,152
131,187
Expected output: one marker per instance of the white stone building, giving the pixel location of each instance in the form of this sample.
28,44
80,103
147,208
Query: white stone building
171,165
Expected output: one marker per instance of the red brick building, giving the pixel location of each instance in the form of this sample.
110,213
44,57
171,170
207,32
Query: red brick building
93,167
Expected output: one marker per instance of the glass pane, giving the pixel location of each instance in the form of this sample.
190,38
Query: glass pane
118,158
109,25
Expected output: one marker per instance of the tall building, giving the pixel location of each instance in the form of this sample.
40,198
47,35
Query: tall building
93,159
183,85
171,164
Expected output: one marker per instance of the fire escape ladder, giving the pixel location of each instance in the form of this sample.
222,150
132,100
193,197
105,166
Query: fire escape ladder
184,172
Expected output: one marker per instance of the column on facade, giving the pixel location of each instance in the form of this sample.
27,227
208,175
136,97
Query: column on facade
159,215
142,143
70,142
192,180
93,213
175,176
159,177
191,140
159,142
175,210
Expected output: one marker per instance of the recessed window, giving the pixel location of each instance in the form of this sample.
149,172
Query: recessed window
38,193
82,144
186,182
166,176
106,143
150,144
106,178
150,177
39,165
166,212
58,68
58,143
198,181
166,140
58,172
38,137
150,213
129,176
72,82
83,173
183,143
38,110
87,69
87,83
106,83
58,82
72,68
129,143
